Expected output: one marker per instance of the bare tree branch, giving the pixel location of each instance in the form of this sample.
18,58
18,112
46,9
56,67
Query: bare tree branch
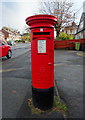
59,8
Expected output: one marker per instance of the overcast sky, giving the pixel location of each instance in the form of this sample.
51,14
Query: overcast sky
14,12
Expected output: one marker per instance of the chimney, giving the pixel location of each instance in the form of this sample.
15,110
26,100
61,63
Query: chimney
84,6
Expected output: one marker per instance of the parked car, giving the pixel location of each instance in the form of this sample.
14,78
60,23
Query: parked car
11,42
5,49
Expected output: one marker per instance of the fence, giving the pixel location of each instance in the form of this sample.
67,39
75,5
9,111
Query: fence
67,44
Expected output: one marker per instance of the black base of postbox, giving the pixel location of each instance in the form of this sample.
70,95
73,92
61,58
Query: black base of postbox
43,98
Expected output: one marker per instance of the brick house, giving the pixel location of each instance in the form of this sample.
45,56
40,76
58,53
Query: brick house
11,35
70,29
2,37
16,35
6,33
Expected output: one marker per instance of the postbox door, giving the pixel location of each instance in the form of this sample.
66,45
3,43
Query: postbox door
42,63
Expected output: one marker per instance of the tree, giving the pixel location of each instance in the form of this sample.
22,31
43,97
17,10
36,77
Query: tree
26,37
59,8
63,36
10,29
6,28
26,29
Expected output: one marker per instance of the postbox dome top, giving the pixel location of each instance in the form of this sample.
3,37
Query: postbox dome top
41,20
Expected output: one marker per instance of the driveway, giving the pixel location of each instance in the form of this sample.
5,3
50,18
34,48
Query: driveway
69,77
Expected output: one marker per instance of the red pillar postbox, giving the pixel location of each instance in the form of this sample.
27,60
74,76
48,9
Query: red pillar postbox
42,59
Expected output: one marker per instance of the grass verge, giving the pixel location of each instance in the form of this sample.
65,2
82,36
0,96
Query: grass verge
58,106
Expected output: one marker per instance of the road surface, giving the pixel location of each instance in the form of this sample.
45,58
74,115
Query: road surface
16,77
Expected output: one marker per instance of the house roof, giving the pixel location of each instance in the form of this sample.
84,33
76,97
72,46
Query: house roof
71,27
5,32
10,32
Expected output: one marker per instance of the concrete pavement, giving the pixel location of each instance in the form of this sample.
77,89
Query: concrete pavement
69,78
81,53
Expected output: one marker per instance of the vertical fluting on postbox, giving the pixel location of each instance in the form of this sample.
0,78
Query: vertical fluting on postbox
42,59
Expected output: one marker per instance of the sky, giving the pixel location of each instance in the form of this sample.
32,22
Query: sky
14,12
